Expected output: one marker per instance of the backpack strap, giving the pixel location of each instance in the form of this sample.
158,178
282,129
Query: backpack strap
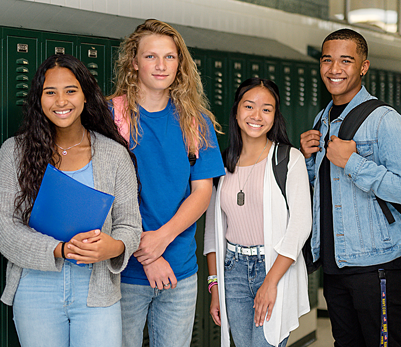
350,126
123,123
280,159
356,117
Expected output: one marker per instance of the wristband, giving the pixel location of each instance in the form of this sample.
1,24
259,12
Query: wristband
62,250
211,285
211,278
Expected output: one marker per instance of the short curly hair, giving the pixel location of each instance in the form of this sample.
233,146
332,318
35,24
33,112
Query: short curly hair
348,34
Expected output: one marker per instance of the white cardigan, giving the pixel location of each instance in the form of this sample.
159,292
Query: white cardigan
290,233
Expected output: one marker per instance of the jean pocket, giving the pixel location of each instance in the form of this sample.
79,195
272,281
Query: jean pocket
229,261
25,272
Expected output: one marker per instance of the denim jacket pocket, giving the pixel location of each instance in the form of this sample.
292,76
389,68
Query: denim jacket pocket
365,150
382,224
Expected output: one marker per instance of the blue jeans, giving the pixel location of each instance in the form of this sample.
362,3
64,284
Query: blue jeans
170,313
50,310
243,276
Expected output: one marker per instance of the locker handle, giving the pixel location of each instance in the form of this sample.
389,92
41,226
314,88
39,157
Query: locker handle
93,72
22,78
93,66
22,86
22,69
22,61
20,102
21,94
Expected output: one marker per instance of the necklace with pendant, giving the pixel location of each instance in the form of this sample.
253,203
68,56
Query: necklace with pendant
64,150
241,194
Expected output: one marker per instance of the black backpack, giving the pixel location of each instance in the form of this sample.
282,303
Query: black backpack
350,126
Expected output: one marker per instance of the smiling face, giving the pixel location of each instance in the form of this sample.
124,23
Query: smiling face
255,113
156,62
62,98
341,68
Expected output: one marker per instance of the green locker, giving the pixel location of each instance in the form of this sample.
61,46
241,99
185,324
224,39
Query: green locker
288,96
218,71
397,92
112,57
21,59
58,44
382,86
92,53
390,88
271,72
237,72
200,60
254,68
372,82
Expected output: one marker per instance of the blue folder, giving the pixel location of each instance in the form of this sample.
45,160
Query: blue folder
65,207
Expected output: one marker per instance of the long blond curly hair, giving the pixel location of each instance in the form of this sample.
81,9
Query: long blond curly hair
186,91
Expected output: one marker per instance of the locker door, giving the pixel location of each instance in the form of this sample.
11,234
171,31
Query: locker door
397,92
254,68
200,60
300,121
113,57
58,44
373,82
20,64
390,88
237,74
217,70
288,97
382,86
271,72
93,55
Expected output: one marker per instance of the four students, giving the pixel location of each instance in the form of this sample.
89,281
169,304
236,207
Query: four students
160,109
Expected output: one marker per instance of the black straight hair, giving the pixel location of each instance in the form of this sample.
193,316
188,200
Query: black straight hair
277,133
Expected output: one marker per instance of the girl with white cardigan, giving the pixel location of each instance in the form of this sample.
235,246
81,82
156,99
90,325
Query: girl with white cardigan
253,242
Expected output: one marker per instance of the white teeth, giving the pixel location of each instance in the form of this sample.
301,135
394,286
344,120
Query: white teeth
255,125
62,112
336,79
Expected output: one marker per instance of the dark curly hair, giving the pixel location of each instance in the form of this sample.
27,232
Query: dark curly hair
277,133
35,140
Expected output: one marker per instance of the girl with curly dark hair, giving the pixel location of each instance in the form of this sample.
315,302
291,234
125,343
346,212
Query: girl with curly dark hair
67,124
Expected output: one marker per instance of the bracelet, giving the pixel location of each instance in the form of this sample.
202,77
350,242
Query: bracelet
211,278
211,285
62,250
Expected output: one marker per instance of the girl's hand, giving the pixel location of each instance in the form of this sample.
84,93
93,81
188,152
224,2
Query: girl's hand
264,301
215,305
92,247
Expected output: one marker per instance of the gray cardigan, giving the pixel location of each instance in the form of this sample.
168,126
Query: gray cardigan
113,173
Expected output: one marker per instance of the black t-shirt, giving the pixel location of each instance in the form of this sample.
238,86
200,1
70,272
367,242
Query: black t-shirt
326,218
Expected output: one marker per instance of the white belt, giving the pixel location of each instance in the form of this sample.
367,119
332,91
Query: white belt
246,250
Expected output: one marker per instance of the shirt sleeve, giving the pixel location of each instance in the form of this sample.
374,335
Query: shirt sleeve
209,164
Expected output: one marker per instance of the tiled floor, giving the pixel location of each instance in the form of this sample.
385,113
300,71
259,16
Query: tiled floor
324,337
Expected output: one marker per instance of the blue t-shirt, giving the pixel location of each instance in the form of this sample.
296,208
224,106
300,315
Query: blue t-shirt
165,175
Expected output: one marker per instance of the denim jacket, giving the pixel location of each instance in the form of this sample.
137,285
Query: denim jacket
362,235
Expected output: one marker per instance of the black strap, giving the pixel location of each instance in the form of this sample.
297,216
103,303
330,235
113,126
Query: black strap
356,117
281,157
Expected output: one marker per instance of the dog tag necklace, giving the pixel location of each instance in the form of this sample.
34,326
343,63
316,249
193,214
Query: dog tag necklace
64,150
241,194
